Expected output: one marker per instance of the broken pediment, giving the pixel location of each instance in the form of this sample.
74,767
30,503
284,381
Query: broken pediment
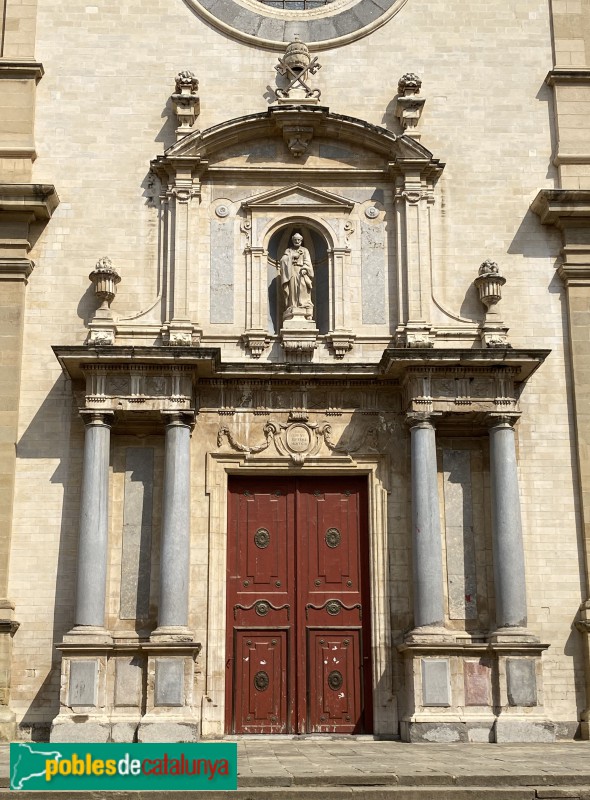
297,195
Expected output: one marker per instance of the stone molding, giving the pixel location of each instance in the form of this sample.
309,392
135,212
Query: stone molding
562,207
21,69
39,200
271,28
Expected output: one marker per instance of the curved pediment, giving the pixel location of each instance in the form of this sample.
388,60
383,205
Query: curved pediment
297,135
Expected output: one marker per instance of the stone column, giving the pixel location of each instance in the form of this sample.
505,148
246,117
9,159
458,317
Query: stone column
175,547
94,524
426,534
511,610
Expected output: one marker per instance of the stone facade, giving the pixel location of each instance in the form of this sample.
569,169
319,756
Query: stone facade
156,162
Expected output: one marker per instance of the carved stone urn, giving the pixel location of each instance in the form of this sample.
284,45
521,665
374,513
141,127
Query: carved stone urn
105,278
489,284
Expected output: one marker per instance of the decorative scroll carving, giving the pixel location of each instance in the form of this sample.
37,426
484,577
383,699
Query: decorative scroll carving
333,607
262,608
300,440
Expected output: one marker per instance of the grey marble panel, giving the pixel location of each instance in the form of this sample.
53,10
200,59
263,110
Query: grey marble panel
83,683
436,685
137,533
522,682
373,273
169,682
127,682
460,541
222,272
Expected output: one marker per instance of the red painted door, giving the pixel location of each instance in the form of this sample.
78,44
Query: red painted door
298,646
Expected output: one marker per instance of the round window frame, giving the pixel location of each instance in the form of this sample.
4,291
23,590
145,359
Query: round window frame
328,26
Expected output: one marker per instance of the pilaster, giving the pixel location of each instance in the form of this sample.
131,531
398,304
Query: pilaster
569,211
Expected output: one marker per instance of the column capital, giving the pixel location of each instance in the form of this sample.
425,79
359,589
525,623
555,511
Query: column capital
502,419
179,419
417,419
92,417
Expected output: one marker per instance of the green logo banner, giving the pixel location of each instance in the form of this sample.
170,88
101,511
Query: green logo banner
123,767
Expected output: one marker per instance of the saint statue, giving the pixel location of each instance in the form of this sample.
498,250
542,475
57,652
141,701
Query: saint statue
297,279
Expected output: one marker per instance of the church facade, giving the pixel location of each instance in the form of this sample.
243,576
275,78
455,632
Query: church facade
295,324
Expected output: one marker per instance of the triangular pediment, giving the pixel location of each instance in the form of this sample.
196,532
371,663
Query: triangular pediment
298,195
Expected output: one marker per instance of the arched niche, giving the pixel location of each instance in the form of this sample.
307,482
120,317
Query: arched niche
319,248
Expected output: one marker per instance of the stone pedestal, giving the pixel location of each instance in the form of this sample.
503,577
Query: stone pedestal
474,692
170,714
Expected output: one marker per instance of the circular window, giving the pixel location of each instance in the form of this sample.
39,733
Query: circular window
318,23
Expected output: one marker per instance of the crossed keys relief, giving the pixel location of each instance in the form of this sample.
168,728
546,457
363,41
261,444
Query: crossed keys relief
296,66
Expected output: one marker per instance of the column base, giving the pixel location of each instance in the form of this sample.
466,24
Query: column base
172,633
513,636
430,634
88,634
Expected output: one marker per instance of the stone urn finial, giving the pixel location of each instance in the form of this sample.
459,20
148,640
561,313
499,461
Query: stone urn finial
409,106
105,278
489,284
185,102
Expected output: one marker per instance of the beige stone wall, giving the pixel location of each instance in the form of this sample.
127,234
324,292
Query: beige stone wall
102,114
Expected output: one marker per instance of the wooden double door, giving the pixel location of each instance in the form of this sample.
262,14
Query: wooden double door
298,617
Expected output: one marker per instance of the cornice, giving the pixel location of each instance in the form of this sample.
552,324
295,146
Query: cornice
574,274
207,363
560,206
39,199
568,75
20,68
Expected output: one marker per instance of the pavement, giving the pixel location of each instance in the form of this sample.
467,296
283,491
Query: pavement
326,768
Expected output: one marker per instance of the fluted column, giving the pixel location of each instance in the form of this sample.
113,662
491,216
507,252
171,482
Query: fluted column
175,546
511,609
94,510
426,534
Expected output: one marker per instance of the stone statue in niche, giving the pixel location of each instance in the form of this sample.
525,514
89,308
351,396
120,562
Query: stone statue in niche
297,279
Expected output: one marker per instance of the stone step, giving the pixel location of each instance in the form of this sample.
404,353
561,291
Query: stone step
331,792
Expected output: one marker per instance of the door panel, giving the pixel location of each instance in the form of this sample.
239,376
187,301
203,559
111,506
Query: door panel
297,586
335,681
261,682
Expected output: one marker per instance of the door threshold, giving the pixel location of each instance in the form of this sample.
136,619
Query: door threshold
315,737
